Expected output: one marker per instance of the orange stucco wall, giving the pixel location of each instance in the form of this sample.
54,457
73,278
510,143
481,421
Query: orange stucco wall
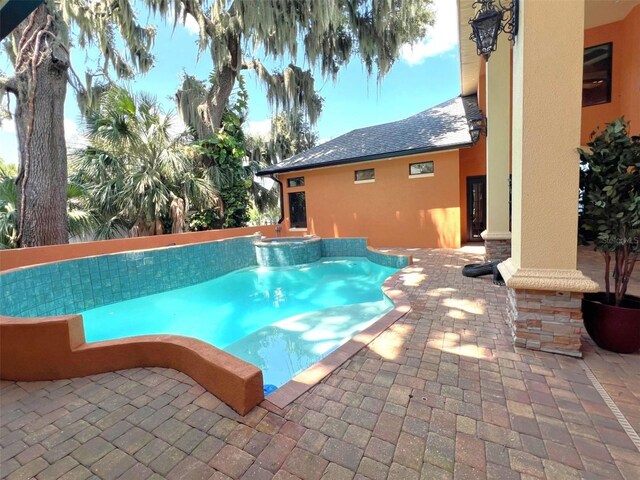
625,87
472,164
631,75
22,257
393,211
473,161
51,348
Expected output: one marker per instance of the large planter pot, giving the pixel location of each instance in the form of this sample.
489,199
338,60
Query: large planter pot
616,329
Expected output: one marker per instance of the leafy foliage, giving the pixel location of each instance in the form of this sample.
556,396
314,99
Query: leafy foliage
290,134
40,52
610,181
8,214
224,152
111,27
8,169
135,166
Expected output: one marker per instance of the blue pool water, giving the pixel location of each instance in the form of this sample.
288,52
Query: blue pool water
281,319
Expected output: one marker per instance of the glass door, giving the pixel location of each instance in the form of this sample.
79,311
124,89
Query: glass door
476,207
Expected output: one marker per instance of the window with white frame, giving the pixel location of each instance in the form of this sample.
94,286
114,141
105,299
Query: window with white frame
368,175
421,169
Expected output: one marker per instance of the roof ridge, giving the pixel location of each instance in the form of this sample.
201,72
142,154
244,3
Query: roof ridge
405,118
444,125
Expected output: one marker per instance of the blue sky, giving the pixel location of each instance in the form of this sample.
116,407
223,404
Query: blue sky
425,75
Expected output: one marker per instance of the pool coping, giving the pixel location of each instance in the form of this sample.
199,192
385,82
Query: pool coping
310,377
265,241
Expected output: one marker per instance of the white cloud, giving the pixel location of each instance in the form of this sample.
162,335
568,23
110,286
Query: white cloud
259,128
177,127
72,134
9,141
266,182
191,24
8,126
8,144
442,37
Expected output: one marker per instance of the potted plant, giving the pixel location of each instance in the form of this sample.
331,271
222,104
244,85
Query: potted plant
610,181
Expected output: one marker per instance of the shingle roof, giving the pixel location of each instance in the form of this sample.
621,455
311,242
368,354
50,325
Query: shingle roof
438,128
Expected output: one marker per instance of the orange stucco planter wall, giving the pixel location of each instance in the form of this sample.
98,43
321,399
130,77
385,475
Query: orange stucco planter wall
23,257
52,348
625,88
393,211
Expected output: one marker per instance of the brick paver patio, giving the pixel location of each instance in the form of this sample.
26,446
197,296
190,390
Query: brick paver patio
440,394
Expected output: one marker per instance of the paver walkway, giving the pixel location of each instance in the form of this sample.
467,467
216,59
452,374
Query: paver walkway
440,394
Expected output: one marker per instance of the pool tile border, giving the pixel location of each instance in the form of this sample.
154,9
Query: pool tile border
302,382
68,287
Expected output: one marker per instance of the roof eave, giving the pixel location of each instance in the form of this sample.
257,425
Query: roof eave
366,158
469,60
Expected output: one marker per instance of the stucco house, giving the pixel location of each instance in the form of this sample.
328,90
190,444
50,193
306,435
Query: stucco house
422,181
397,183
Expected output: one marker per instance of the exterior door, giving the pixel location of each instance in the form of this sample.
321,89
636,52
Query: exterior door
476,207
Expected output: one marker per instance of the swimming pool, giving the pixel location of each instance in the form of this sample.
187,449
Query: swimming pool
44,338
281,319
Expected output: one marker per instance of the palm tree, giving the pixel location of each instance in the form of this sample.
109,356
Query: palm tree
135,166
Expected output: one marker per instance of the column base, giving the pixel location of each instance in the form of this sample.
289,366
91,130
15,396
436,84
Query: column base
497,250
497,246
544,307
545,320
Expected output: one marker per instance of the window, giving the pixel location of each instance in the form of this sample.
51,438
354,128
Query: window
596,77
421,169
295,182
365,176
298,210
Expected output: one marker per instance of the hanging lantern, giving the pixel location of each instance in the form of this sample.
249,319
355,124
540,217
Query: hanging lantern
489,20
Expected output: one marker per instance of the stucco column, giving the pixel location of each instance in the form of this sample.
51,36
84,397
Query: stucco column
545,288
497,237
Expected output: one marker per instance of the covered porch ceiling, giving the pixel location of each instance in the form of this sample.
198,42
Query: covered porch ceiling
597,12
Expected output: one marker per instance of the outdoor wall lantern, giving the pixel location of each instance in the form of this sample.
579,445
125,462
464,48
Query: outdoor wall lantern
489,21
477,127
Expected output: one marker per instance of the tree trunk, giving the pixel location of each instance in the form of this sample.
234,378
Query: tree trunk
39,116
218,96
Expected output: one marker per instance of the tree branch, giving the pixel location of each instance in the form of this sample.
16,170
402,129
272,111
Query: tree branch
9,84
209,25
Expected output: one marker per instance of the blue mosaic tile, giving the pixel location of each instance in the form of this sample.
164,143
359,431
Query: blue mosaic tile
394,261
344,247
76,285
